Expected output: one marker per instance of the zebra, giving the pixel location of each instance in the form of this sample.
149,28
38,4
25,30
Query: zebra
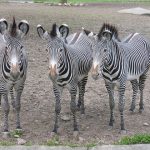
118,62
69,66
13,64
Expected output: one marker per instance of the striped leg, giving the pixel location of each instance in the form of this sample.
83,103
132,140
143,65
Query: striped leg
12,97
57,94
6,108
135,91
110,90
121,104
81,86
141,87
0,100
73,108
18,106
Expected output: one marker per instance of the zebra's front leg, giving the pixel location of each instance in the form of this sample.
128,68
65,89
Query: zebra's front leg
81,86
0,100
73,108
6,109
12,97
121,106
17,108
135,90
141,87
110,90
57,107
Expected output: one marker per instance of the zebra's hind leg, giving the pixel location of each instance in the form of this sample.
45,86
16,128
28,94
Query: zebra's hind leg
81,86
110,90
57,107
141,87
6,109
135,90
12,97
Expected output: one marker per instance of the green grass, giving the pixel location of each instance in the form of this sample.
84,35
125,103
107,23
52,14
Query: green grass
6,143
136,139
88,1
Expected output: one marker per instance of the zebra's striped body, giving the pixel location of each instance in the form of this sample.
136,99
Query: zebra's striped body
119,62
69,65
13,67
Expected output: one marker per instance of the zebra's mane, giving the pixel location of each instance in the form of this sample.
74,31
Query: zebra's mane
107,28
53,31
13,28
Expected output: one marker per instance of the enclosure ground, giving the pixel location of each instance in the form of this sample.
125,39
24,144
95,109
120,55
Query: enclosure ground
37,112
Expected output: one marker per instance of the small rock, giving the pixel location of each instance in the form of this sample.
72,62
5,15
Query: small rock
81,139
65,117
59,4
21,141
145,124
81,4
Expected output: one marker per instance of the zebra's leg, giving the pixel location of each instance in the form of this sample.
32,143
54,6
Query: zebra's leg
6,109
110,90
81,86
12,97
18,107
135,90
0,100
57,94
73,108
121,104
141,87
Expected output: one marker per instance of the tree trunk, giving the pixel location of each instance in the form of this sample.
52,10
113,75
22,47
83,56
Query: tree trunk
63,1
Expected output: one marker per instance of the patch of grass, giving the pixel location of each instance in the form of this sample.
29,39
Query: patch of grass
53,142
6,143
136,139
16,133
89,145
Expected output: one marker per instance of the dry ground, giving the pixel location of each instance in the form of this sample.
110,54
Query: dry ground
37,113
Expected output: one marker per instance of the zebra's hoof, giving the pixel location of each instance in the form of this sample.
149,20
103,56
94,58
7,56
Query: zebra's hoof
76,135
141,110
132,110
110,128
123,132
5,135
53,134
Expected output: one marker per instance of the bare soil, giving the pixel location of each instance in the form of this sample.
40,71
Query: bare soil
37,112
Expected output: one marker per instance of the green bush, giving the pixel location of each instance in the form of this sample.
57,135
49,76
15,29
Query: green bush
136,139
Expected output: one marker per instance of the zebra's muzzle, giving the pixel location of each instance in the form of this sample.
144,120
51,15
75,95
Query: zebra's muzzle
52,72
15,71
95,73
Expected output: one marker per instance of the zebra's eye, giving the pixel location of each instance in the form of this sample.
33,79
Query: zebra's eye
60,50
46,50
105,50
21,47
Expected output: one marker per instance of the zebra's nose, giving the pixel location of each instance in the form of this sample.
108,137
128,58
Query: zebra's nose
52,71
95,73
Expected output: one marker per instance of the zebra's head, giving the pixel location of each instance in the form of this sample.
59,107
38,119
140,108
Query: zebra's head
103,49
12,35
56,40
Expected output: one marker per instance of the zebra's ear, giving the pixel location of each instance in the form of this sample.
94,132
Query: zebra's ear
64,30
3,25
23,27
42,33
107,35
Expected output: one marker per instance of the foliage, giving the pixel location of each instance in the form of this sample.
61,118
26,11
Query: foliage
136,139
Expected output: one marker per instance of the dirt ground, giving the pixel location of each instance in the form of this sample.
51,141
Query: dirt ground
37,112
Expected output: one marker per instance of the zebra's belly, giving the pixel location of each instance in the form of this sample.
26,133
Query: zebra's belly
132,76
